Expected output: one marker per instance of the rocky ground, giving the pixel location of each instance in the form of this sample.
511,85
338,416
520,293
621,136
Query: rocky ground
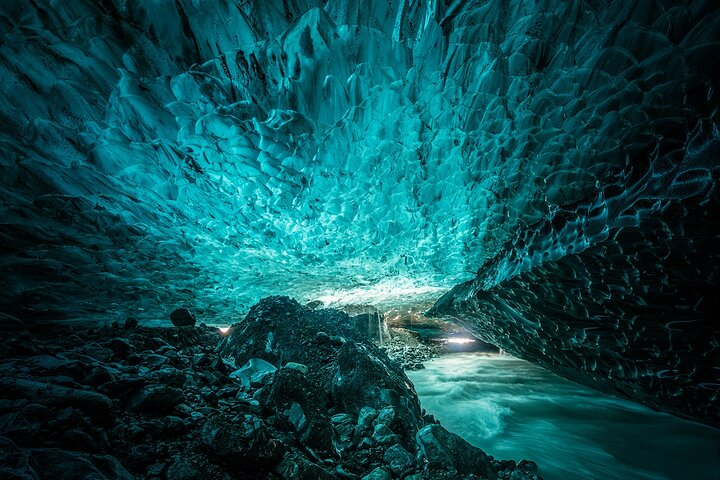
288,393
407,349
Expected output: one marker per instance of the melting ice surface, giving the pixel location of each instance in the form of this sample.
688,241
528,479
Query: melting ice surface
513,409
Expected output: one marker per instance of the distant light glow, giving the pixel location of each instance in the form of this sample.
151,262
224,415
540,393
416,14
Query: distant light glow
224,330
460,340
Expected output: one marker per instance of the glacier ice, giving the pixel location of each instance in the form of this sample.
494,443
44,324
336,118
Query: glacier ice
209,153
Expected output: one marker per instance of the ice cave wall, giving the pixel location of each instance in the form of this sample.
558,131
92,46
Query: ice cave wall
210,153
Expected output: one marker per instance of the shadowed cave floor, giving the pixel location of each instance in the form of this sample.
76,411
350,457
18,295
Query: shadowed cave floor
287,393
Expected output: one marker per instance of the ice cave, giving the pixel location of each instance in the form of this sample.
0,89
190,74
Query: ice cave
359,239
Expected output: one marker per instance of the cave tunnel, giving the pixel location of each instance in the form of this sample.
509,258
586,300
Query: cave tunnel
366,197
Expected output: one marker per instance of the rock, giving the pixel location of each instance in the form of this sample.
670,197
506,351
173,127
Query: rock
57,464
122,387
322,337
23,426
344,428
525,470
242,440
445,450
384,436
169,376
378,474
155,470
297,417
192,465
290,387
366,416
131,322
386,415
157,398
398,459
181,317
255,372
97,375
527,466
95,405
297,366
296,467
14,462
120,346
366,377
80,440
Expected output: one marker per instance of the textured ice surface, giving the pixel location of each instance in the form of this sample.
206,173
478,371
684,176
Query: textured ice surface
210,153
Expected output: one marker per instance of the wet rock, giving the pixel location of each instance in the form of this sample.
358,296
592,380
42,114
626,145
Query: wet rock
525,470
256,372
384,436
291,395
296,467
378,474
156,399
367,416
445,450
386,415
297,366
181,317
344,427
365,377
242,440
398,459
528,467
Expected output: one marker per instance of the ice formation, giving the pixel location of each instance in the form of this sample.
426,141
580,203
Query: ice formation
210,153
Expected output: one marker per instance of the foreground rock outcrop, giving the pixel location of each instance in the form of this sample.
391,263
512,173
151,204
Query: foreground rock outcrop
290,393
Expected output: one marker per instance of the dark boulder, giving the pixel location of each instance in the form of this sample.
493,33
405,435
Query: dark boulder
294,398
398,459
156,399
181,317
242,441
363,377
131,322
352,370
447,451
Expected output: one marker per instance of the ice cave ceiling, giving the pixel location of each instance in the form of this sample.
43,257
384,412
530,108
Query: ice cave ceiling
559,157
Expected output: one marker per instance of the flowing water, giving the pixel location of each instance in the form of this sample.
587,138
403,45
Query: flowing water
513,409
